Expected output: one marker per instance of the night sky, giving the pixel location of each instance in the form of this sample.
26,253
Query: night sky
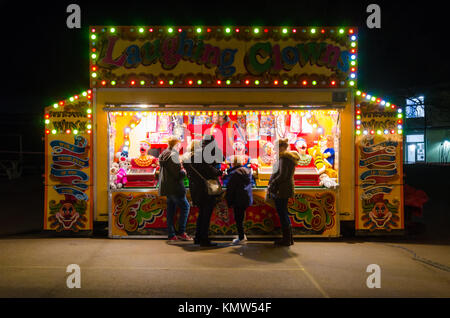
43,61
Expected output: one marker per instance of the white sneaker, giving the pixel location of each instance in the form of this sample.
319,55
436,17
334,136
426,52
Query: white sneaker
237,241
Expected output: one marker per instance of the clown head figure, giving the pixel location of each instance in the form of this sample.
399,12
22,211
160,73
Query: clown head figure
239,147
144,147
301,146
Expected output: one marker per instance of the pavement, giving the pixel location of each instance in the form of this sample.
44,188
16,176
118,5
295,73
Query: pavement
32,266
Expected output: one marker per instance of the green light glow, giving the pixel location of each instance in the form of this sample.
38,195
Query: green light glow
54,131
170,30
341,31
228,82
285,82
47,121
256,30
199,82
55,105
113,83
94,75
94,56
256,82
170,82
227,30
314,83
313,31
199,30
93,36
141,30
112,30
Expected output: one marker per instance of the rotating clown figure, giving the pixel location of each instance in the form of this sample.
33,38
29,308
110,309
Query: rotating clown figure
305,160
239,150
144,160
268,157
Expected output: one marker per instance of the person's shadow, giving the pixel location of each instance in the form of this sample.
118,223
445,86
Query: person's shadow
259,251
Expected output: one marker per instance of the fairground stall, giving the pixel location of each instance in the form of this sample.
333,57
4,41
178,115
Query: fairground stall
247,86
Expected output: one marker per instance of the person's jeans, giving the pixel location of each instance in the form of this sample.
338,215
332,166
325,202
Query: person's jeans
282,210
172,202
205,211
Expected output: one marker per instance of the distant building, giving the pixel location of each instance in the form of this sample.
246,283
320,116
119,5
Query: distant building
426,130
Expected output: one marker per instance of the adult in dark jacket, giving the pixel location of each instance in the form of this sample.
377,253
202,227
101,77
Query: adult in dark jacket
199,166
171,185
281,187
239,194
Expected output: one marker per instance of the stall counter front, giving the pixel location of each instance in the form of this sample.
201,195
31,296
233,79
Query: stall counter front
141,212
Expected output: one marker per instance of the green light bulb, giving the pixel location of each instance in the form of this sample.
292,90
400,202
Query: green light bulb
199,82
285,82
112,30
199,30
228,82
256,30
93,36
54,131
141,30
227,30
94,75
170,30
113,83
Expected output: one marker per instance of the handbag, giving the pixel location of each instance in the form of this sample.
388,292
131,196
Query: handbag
212,185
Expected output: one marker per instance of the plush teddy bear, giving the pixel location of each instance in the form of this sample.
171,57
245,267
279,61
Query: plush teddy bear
113,175
326,181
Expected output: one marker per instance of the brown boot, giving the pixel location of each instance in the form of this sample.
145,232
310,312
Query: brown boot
286,240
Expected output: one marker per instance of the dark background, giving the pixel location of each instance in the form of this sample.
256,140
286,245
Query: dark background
42,61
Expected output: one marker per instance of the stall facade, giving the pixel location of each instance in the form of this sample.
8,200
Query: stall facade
246,86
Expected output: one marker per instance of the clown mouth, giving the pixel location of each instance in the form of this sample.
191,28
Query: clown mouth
142,150
67,221
381,221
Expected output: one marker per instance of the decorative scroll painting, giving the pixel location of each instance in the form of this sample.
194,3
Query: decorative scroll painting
311,213
379,171
68,164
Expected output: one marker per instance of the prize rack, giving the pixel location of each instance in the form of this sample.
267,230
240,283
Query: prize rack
247,86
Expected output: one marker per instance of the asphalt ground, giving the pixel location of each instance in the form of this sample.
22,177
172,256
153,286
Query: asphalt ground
133,268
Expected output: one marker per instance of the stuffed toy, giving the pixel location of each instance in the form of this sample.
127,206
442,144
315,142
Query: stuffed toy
326,181
113,175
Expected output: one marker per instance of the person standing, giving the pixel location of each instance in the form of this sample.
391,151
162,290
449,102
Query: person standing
198,170
281,187
239,194
171,185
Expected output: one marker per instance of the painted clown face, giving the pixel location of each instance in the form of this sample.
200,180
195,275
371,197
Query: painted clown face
67,215
380,214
